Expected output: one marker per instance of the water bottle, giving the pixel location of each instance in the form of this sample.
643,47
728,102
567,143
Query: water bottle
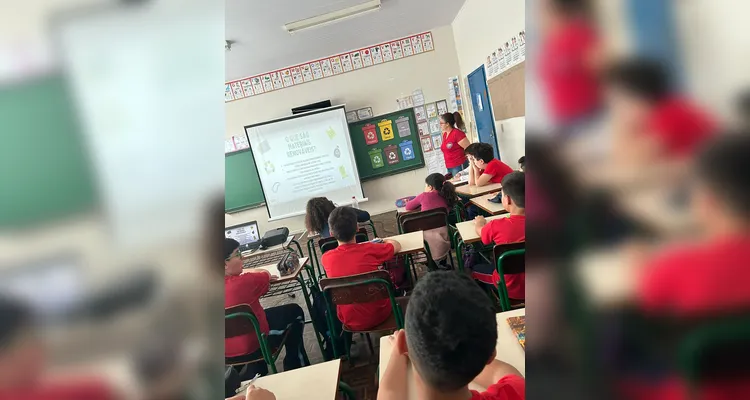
355,203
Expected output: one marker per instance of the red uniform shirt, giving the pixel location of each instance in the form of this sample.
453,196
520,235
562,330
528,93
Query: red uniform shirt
507,230
246,289
571,85
509,387
497,169
452,151
698,279
680,126
88,390
353,259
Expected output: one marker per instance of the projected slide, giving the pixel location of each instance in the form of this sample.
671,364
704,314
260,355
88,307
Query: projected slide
304,156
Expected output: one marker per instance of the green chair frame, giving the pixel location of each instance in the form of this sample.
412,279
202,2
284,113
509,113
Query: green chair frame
502,289
244,311
368,278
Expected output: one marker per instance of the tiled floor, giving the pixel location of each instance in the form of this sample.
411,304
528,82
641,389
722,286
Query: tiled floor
361,372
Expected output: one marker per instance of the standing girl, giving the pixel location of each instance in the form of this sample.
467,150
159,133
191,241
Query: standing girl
454,142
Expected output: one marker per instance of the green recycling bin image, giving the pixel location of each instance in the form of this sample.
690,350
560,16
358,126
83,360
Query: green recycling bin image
376,157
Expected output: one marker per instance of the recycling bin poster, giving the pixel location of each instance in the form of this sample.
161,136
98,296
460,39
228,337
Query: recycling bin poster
387,144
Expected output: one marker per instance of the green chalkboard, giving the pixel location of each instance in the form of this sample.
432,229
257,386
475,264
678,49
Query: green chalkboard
45,170
386,145
242,188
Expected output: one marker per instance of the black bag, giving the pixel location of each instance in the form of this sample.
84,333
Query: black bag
321,323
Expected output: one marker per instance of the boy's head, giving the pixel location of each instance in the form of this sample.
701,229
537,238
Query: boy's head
514,191
555,12
482,154
21,352
343,224
721,195
232,257
522,163
634,87
451,330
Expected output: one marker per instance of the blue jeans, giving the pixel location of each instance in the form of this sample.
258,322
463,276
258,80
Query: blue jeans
455,170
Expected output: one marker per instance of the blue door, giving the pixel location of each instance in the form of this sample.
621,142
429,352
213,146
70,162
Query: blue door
480,102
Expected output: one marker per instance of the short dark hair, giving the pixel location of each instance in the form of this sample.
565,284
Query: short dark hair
481,151
573,6
343,223
644,78
522,161
15,316
722,166
230,245
514,186
450,329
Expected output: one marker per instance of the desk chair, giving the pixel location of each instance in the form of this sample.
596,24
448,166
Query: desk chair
331,243
240,320
360,289
510,259
424,221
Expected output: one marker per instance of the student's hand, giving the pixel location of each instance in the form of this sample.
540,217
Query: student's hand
480,221
255,393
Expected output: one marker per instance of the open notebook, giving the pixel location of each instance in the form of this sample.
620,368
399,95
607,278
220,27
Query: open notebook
518,326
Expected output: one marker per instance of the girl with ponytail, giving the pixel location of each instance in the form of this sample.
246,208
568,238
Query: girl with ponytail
438,193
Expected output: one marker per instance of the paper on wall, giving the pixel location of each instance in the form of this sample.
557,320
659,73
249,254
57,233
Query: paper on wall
418,97
435,161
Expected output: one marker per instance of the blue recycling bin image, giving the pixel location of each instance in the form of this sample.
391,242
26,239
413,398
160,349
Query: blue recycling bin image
407,150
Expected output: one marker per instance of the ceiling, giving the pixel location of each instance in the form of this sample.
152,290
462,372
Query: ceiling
262,45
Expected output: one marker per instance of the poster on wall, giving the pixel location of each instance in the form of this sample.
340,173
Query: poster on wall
423,128
351,116
420,113
431,109
442,107
435,162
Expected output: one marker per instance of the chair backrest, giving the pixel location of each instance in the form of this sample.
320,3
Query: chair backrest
514,263
717,349
360,288
331,243
239,320
424,220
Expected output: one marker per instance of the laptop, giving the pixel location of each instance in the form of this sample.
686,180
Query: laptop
247,234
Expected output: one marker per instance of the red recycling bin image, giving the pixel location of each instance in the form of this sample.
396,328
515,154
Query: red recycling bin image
371,135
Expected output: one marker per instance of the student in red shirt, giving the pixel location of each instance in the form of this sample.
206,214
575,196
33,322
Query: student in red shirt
247,287
454,142
712,275
450,339
23,359
569,61
486,169
350,258
505,230
651,121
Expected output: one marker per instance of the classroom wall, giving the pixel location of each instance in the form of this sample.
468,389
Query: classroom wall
377,87
479,27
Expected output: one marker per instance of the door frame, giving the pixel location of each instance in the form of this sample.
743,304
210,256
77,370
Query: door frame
481,71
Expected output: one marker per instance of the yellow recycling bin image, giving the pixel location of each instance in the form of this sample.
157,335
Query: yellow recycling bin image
386,129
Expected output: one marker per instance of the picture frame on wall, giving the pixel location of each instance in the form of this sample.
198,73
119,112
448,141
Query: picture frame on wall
423,128
431,109
442,107
364,113
420,113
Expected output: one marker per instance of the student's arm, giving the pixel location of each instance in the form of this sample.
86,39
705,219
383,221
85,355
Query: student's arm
414,203
255,284
479,223
473,172
363,216
393,386
484,179
396,248
493,372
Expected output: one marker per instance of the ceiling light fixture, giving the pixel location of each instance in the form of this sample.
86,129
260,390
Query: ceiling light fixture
332,17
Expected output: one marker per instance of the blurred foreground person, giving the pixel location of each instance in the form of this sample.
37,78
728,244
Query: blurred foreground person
23,362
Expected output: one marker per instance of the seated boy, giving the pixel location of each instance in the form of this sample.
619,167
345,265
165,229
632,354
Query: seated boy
713,275
653,123
247,288
23,359
350,258
485,168
521,163
511,229
450,338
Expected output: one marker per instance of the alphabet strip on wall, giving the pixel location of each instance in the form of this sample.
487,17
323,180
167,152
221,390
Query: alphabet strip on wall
330,66
505,57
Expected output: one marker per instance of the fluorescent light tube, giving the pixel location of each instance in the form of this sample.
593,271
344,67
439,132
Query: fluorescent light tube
332,17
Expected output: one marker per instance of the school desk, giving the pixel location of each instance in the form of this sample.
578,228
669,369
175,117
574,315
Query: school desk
471,191
466,234
314,382
607,278
489,207
289,284
507,346
410,242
